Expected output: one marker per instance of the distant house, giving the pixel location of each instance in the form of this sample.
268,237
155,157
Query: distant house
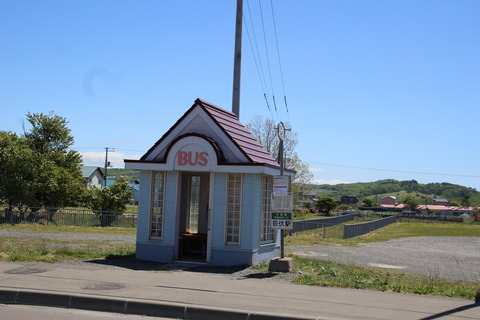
349,200
436,209
135,185
441,202
388,200
446,210
308,195
136,191
93,177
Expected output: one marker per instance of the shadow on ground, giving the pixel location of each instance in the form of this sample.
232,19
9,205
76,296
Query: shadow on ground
140,265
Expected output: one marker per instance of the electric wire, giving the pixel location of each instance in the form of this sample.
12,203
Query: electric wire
279,60
257,57
266,54
394,170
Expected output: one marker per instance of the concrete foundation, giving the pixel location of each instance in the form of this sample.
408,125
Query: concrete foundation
281,265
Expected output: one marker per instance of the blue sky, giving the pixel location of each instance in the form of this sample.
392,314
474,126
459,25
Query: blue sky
375,89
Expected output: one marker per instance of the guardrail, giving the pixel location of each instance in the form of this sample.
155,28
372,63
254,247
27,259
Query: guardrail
355,230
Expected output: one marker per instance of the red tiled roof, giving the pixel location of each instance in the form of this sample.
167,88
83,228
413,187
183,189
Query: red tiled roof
237,132
233,129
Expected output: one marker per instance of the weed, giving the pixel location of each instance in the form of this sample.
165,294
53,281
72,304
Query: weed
334,274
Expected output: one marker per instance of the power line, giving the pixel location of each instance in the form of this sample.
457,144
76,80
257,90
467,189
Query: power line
398,171
257,58
279,60
266,53
267,85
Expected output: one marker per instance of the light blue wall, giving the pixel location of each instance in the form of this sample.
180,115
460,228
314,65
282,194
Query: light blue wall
143,207
249,252
218,210
156,250
170,213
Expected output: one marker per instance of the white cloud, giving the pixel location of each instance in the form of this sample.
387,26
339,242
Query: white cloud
331,182
98,158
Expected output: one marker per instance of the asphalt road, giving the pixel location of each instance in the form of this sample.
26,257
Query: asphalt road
446,257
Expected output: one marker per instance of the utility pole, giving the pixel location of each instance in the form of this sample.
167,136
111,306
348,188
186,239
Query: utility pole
107,164
281,135
237,62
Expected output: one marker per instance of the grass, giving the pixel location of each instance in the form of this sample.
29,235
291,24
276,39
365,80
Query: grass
334,274
314,272
328,273
51,250
36,228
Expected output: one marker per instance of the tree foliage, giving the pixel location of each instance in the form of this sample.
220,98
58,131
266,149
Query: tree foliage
264,131
411,202
18,170
326,205
37,169
109,201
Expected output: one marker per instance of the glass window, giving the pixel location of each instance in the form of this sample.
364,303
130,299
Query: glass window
233,212
266,232
157,204
194,205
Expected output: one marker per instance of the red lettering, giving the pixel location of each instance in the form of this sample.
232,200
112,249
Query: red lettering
182,158
186,158
203,160
190,162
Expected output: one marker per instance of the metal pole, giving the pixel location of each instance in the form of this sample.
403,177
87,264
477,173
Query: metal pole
237,62
282,232
106,166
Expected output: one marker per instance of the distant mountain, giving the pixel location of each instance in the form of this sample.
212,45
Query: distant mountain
115,173
425,192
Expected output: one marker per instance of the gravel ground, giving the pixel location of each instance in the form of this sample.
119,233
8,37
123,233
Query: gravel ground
446,257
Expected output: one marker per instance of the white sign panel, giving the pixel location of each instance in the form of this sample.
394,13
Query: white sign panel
281,184
282,202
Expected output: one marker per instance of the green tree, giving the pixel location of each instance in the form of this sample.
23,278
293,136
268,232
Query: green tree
326,205
465,202
109,202
59,177
411,202
368,202
18,170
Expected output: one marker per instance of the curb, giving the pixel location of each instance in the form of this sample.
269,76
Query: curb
132,306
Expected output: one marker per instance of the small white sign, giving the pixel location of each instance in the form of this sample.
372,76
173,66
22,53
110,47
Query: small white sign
282,202
281,184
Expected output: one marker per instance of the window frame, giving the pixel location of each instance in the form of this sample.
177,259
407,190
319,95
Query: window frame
267,233
157,206
233,210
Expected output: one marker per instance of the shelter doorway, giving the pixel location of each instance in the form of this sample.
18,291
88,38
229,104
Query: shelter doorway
193,216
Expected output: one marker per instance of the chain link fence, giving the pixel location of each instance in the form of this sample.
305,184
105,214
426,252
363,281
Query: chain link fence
67,217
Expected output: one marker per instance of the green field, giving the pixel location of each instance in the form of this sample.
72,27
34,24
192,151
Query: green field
393,231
